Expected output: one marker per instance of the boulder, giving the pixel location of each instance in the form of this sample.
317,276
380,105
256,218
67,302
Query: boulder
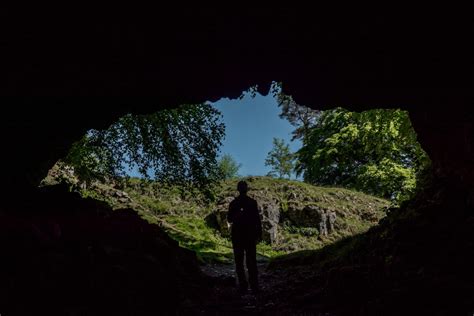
221,210
311,215
270,217
304,215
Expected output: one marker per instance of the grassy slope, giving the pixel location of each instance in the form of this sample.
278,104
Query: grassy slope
347,203
183,214
416,262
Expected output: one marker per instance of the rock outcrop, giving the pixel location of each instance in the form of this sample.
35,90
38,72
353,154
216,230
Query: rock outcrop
284,203
318,211
270,216
394,268
221,215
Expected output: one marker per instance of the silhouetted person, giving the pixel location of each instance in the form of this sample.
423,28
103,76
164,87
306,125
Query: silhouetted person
246,231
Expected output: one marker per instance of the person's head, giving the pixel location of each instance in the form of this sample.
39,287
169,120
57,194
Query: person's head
242,187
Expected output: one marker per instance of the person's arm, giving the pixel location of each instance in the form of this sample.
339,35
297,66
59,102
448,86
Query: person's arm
258,222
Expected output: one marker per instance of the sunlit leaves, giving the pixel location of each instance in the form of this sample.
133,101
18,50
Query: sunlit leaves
228,167
374,151
177,145
301,117
280,159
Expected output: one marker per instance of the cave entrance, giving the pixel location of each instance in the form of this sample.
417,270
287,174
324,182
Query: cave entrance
318,176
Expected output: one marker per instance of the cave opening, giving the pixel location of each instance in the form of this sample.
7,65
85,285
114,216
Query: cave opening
107,247
64,254
177,169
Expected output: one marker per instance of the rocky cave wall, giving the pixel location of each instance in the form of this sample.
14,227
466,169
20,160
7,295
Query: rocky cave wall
359,58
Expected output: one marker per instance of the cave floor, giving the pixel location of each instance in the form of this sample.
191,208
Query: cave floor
225,298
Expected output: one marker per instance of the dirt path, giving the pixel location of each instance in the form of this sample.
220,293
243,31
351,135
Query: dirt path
225,298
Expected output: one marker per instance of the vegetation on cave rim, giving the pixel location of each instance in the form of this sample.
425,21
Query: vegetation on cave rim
184,213
177,146
375,152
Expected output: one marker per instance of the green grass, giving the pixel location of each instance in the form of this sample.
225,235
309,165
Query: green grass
338,251
166,199
192,233
182,213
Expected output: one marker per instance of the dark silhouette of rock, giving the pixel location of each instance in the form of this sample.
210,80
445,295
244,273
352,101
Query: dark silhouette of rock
71,255
392,269
361,57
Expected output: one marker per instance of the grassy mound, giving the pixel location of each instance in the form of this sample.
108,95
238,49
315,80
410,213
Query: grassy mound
185,213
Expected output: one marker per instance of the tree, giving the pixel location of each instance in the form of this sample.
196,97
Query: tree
280,159
374,151
228,167
301,117
176,146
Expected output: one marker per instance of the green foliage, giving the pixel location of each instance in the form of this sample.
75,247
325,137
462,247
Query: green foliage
162,199
174,146
266,250
360,210
86,158
304,231
193,233
228,167
373,151
280,159
301,117
184,211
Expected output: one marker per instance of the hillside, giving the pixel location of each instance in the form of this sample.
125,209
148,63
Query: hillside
295,215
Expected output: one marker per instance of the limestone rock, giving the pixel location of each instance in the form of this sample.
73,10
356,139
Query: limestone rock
221,215
270,217
309,215
331,220
304,215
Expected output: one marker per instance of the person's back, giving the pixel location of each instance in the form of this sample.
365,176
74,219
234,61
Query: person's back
246,231
243,214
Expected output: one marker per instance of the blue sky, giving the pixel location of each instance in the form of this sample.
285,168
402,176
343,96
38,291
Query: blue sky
251,124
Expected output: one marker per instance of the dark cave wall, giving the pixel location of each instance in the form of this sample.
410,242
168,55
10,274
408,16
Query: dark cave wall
446,132
361,57
414,58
